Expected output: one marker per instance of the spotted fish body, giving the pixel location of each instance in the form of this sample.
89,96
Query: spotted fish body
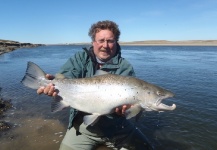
101,94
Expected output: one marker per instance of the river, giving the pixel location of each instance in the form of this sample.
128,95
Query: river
188,71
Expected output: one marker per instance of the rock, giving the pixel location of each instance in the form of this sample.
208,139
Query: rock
8,46
4,126
4,105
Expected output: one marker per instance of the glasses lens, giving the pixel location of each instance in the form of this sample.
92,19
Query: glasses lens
103,41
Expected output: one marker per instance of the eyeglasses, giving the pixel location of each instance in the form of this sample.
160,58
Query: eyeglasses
111,41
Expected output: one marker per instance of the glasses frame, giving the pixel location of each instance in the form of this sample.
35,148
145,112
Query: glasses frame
109,41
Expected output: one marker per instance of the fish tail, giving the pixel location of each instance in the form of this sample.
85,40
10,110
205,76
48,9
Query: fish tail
34,76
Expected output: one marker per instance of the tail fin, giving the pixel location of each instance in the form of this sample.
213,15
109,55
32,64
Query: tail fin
34,74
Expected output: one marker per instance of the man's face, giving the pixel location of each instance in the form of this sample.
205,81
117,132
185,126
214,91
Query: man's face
105,45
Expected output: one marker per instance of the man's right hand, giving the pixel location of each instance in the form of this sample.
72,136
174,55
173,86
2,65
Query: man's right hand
49,89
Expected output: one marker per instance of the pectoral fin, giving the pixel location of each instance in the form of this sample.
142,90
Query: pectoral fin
58,104
91,119
133,111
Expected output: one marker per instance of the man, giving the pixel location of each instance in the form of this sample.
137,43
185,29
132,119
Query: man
113,130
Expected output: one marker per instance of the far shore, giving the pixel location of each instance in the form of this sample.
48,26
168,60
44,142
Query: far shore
8,46
162,43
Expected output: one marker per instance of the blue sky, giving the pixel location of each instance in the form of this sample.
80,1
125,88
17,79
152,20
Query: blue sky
68,21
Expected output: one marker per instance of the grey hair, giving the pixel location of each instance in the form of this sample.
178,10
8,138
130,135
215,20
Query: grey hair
103,25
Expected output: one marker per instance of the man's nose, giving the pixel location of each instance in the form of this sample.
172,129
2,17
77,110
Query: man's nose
105,43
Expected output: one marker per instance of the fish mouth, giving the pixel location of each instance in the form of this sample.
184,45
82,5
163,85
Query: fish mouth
161,107
158,106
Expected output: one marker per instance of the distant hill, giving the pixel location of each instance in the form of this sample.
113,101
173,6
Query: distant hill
165,42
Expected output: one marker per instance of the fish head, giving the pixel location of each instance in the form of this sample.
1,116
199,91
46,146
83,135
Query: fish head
152,99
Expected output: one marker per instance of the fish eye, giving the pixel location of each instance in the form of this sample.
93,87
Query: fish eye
160,93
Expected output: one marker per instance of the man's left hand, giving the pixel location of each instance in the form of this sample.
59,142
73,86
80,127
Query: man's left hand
121,110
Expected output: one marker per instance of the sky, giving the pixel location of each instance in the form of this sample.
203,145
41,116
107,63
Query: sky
68,21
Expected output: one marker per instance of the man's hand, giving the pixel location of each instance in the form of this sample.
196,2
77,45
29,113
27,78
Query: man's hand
121,110
49,89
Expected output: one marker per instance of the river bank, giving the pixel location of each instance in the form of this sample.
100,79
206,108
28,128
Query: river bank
8,45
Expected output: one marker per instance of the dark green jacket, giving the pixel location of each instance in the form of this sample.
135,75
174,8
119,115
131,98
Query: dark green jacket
83,64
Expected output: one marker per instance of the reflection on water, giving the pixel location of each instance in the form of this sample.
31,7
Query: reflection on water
189,72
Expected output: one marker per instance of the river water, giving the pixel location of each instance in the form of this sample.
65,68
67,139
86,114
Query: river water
188,71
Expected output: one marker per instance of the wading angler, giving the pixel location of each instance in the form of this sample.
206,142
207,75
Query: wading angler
100,87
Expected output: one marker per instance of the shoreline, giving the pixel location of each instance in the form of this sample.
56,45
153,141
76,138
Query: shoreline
168,44
156,43
8,46
172,43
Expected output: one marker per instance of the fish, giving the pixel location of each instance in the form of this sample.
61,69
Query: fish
100,94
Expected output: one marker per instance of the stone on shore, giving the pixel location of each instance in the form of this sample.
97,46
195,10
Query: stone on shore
4,105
